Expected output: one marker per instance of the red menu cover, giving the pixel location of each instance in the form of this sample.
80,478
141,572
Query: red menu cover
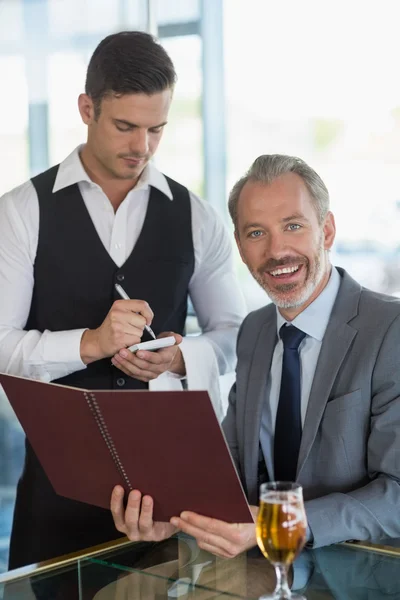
165,444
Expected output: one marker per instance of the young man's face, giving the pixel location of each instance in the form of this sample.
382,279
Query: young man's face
126,133
282,242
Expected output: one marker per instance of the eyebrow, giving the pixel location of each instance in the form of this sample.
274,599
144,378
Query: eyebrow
294,217
250,225
129,124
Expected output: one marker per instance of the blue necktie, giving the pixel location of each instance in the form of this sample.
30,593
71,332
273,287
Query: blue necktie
288,427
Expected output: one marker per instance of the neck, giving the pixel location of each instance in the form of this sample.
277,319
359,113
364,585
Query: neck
115,189
291,313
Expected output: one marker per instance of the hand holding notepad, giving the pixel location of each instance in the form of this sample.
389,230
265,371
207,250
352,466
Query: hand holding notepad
168,445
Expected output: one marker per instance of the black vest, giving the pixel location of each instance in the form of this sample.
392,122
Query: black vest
74,279
75,276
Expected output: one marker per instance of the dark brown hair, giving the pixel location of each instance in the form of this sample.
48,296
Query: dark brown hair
128,62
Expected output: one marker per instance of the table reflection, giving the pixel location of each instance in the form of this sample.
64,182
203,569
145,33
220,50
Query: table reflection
177,568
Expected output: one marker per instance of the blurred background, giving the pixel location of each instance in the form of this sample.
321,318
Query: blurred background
314,79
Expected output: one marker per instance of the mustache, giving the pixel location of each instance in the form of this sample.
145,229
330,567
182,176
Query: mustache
272,263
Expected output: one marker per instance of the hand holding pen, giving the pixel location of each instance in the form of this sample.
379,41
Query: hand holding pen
146,365
125,296
122,328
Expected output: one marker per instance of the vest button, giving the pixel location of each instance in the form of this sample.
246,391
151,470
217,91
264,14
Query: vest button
120,381
120,277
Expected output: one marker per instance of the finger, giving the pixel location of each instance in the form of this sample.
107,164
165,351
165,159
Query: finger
163,356
132,371
177,336
130,323
129,359
138,306
146,515
132,513
207,523
121,368
204,537
156,365
117,508
121,312
125,334
215,550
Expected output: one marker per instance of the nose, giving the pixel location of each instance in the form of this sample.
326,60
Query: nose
139,142
276,247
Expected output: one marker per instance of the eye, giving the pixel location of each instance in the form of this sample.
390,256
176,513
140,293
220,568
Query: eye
123,127
156,129
255,234
293,226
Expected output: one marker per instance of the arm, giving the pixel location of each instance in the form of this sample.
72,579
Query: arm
370,512
214,290
220,309
218,303
44,355
48,355
229,428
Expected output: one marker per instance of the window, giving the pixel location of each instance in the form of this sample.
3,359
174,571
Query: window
318,80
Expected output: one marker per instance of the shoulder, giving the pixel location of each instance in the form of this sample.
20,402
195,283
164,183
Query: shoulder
21,199
203,212
19,219
255,320
364,308
377,320
375,305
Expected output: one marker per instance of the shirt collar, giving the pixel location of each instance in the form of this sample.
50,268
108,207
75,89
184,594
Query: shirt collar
71,171
313,320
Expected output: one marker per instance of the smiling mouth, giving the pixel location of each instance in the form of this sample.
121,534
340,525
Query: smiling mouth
284,271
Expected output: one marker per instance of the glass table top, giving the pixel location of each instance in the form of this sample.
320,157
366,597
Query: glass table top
177,568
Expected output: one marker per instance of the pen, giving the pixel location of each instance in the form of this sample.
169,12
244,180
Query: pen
125,296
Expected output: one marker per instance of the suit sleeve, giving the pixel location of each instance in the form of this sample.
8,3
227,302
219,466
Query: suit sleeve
372,511
230,422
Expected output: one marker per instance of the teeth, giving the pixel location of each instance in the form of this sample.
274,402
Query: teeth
284,270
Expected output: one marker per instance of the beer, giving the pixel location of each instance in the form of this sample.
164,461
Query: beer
281,527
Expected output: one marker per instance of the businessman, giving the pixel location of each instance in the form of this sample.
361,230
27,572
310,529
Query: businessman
107,215
316,397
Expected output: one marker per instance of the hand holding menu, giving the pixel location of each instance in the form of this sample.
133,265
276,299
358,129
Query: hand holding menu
165,444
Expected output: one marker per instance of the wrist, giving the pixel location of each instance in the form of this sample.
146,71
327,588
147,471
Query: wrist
89,348
178,364
251,540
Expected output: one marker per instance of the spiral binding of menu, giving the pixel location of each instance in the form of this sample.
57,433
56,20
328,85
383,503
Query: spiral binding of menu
95,409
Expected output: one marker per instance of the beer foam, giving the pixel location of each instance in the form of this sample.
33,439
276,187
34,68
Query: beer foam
277,498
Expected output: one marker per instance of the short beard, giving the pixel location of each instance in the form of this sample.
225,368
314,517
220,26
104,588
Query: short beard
279,297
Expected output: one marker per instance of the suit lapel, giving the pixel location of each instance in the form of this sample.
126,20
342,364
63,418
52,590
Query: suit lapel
256,395
335,346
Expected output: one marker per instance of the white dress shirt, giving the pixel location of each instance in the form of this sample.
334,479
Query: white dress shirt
313,321
213,288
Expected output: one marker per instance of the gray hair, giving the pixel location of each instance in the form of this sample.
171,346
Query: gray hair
268,167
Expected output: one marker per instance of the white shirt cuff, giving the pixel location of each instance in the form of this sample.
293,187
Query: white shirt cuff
59,356
201,372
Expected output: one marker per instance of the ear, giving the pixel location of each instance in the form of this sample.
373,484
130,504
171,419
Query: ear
329,231
86,108
239,246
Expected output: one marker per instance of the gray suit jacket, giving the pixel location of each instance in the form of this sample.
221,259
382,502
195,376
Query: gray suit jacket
349,460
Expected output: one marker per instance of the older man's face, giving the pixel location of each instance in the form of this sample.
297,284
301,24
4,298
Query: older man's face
282,242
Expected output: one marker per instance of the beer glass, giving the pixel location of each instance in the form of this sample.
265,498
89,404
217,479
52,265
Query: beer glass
281,531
